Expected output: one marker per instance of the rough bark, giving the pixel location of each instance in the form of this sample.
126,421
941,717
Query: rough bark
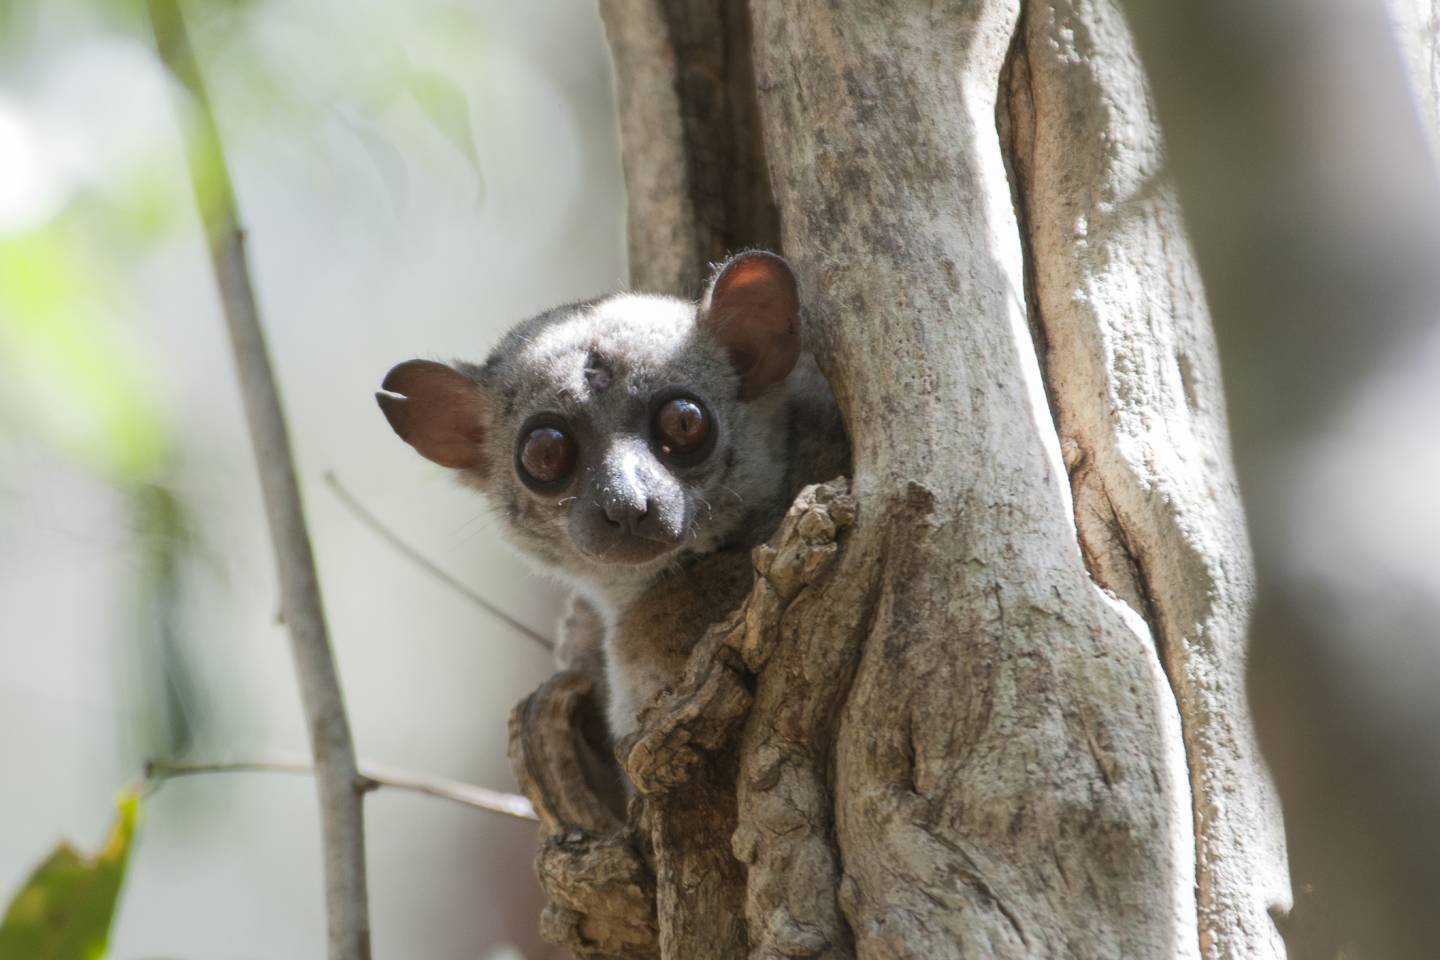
1128,353
969,708
1009,773
600,868
1315,211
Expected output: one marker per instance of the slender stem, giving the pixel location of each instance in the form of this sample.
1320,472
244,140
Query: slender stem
336,776
367,517
372,777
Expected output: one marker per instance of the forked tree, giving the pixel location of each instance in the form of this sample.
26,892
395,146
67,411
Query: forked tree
988,694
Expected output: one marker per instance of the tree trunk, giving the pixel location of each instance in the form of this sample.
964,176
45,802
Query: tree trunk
1315,208
986,698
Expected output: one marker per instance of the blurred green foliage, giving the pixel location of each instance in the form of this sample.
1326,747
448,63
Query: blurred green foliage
65,908
77,375
67,364
74,379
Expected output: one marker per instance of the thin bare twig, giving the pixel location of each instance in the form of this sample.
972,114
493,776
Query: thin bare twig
336,777
367,517
372,777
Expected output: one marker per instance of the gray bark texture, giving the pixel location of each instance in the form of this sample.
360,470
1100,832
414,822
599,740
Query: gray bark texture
986,697
1311,190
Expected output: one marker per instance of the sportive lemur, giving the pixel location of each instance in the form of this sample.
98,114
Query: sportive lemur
638,447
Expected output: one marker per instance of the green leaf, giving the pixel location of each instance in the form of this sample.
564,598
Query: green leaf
64,910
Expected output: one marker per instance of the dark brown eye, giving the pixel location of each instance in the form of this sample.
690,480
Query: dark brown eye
547,454
681,426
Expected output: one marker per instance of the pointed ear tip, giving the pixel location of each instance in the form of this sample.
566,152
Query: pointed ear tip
393,408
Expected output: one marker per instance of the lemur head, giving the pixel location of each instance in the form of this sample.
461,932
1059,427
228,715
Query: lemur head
617,435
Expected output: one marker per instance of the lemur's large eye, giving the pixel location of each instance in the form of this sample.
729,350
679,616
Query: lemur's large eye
547,454
681,426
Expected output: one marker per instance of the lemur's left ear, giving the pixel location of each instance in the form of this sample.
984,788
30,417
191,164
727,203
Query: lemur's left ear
752,308
438,410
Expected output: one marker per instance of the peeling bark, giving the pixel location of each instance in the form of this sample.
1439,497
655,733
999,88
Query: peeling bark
984,700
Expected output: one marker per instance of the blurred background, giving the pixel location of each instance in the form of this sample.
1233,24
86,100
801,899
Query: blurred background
413,178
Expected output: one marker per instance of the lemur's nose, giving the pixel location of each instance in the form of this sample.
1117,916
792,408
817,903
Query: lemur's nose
634,494
627,508
624,493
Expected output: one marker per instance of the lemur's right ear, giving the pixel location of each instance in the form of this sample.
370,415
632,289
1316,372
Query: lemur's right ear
753,309
437,410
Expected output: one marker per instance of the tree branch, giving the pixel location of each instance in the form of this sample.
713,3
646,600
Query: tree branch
365,516
336,776
1314,207
372,777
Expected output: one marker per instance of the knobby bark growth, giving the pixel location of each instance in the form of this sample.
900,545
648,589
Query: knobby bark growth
986,697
